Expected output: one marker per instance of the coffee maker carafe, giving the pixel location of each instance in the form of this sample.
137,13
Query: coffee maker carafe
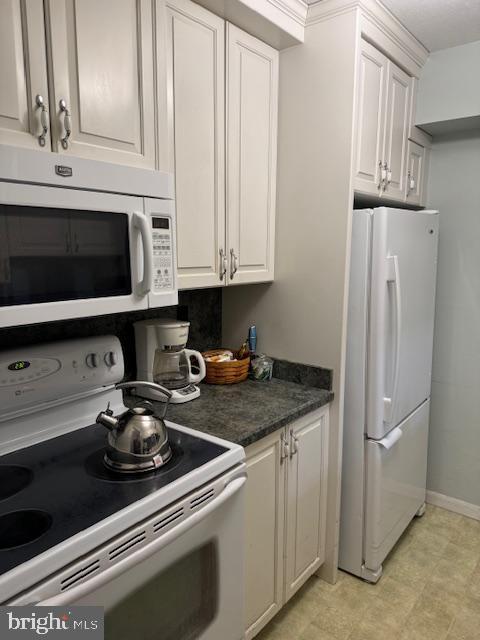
162,358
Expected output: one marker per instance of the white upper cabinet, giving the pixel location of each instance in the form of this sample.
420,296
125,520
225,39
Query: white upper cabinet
415,177
252,100
370,119
102,80
23,75
155,84
222,132
195,79
396,130
385,102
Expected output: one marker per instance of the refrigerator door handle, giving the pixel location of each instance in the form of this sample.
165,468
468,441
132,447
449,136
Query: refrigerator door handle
393,276
390,439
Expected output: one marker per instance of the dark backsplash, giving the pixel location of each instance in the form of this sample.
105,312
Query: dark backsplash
203,308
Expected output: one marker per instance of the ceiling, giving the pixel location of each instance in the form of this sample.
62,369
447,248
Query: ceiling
438,24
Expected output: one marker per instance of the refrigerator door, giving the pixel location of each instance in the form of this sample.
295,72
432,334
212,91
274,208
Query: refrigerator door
402,299
395,484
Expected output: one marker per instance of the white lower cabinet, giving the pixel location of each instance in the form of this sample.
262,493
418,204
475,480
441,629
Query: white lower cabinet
264,531
306,501
285,515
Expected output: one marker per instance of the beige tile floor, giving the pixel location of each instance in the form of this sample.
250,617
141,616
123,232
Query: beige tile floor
430,590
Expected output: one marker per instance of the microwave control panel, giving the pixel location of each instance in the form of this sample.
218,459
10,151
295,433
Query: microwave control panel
162,239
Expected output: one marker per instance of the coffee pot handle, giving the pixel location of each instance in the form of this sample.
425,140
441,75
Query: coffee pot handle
149,385
201,364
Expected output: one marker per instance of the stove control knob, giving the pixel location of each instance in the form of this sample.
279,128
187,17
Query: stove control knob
92,360
110,358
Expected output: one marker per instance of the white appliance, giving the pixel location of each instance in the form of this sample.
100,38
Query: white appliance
163,552
162,357
77,252
387,383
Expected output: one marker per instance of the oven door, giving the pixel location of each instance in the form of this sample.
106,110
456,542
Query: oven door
66,253
186,584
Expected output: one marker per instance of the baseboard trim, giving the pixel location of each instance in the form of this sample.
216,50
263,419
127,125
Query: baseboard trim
454,504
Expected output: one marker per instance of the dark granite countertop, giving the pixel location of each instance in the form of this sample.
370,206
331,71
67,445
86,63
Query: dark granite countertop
246,412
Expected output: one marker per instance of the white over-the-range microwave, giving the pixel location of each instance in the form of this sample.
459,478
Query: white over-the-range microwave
82,238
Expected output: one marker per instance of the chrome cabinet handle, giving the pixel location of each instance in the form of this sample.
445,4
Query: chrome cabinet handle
67,123
293,444
284,449
39,101
383,175
223,264
233,264
410,182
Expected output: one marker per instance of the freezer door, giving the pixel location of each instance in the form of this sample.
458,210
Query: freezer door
395,484
402,300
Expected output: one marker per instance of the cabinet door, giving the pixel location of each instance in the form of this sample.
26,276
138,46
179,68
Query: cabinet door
396,130
415,173
306,499
370,119
252,100
265,501
195,73
23,74
102,67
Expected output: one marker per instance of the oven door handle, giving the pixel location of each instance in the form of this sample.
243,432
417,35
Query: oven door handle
102,578
141,224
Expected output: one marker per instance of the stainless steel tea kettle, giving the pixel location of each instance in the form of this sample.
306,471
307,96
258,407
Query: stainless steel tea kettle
137,439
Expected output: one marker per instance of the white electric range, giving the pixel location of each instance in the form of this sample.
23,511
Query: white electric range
162,552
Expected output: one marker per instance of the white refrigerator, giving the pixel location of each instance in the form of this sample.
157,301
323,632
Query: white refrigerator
387,382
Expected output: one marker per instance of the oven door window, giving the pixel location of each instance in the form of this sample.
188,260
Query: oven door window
49,255
179,603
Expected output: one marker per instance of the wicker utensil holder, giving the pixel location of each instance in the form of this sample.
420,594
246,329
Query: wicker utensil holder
228,372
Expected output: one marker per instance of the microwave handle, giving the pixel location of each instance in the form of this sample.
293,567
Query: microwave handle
141,224
102,578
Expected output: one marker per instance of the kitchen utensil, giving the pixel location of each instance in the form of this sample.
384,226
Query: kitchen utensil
137,439
162,358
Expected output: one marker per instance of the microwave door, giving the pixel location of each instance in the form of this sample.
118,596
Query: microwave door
68,254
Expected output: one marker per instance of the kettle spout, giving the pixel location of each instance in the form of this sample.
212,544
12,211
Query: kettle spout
106,419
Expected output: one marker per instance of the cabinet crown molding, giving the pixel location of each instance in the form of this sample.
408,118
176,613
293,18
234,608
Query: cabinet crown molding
375,20
295,9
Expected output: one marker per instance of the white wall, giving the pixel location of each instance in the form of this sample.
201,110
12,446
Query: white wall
300,317
454,448
449,86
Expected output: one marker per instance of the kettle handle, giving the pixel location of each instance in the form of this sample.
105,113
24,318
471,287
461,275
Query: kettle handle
149,385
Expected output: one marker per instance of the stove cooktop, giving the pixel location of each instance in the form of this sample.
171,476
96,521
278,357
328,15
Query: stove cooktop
53,490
